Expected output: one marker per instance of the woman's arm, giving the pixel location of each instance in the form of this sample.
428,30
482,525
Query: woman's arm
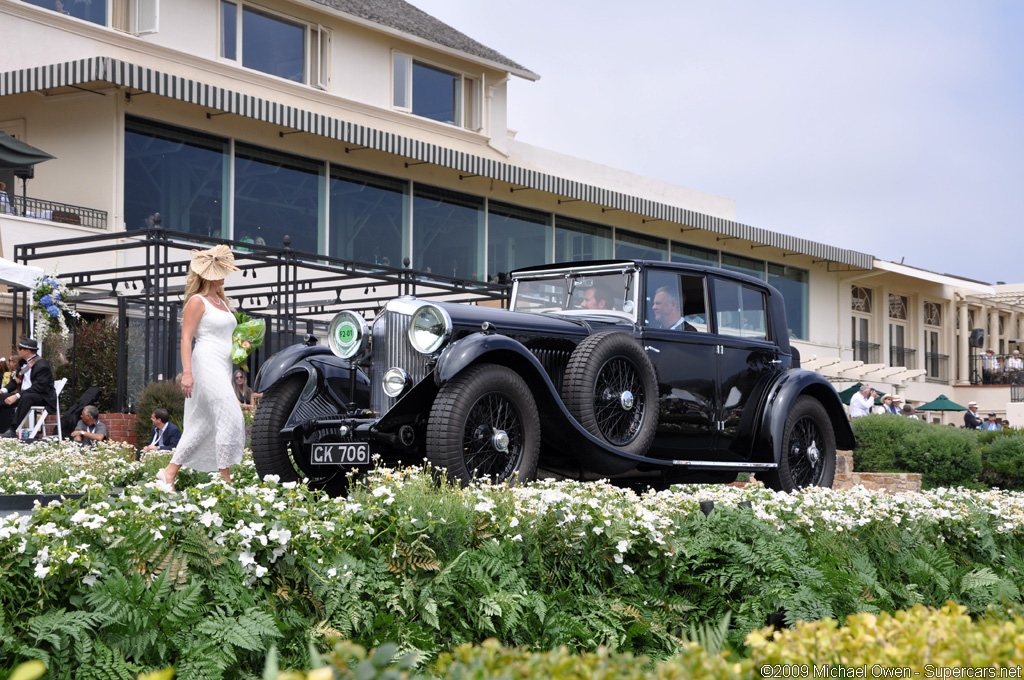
194,311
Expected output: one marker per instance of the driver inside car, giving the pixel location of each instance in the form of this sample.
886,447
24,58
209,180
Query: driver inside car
596,297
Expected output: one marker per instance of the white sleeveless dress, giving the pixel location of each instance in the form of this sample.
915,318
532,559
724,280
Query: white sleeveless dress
213,435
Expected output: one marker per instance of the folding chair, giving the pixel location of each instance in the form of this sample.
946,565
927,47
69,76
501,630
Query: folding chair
35,419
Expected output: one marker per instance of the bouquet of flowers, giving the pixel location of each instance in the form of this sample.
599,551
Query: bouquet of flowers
50,303
248,336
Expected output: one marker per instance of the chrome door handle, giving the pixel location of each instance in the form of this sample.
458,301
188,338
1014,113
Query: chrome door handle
652,349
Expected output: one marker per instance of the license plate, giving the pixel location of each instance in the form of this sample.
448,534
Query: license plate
353,453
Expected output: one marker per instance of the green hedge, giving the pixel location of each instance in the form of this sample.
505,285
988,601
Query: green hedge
928,642
945,456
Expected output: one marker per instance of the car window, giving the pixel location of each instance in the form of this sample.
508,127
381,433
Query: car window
541,295
676,301
740,310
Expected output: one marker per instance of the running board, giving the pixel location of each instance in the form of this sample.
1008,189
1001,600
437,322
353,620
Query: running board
719,465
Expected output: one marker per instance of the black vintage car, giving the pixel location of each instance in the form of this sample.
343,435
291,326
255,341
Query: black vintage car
649,373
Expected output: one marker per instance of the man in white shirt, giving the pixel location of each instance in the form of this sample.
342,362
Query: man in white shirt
1015,368
861,403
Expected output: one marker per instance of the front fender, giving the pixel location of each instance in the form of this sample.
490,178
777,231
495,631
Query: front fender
286,362
322,370
795,383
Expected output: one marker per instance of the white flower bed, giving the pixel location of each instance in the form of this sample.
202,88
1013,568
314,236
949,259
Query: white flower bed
52,467
259,523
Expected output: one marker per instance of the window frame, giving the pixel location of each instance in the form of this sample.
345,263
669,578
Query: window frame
316,48
470,104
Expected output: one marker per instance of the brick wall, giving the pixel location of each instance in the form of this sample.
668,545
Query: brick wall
120,426
893,482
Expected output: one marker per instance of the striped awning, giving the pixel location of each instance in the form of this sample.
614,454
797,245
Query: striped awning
118,72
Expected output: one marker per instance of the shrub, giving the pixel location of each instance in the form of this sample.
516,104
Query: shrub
93,361
945,456
1002,460
158,395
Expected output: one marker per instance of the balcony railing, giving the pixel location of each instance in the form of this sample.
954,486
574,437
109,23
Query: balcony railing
868,352
53,211
1016,392
902,356
937,367
1000,369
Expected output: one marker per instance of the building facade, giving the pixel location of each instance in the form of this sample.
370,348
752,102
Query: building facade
372,132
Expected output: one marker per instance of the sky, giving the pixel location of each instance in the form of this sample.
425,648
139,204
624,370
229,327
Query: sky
890,128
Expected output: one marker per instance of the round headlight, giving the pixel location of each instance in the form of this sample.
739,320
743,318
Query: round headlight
430,329
395,380
348,334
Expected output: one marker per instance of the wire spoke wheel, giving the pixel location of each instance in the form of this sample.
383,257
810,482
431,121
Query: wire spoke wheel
484,423
808,448
611,389
619,401
806,461
493,437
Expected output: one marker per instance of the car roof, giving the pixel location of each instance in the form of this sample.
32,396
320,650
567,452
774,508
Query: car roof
643,264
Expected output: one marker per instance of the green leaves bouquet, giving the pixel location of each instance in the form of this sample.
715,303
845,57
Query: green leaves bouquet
248,336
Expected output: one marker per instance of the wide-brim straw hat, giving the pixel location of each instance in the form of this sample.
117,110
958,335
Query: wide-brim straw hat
213,264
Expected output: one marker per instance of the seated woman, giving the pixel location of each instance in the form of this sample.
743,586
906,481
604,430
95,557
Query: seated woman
242,389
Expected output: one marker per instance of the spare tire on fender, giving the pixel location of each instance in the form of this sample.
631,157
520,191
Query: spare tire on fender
610,387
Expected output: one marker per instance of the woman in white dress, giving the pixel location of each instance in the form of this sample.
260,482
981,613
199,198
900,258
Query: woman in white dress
214,431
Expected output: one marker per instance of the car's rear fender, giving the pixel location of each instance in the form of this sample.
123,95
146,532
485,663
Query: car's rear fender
789,386
559,426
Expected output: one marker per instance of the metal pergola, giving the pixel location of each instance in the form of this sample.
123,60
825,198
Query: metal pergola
294,292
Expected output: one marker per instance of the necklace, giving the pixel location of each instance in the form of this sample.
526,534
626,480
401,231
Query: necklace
215,301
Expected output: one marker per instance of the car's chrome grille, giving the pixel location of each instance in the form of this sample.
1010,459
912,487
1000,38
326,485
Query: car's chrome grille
391,348
554,362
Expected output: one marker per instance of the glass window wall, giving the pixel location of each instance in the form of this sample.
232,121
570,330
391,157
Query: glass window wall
631,246
516,237
177,173
368,214
794,285
448,232
694,255
278,195
744,265
576,241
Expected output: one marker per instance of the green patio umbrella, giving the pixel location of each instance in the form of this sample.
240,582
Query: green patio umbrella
848,393
942,403
15,153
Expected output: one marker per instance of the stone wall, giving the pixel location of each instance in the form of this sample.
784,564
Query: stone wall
893,482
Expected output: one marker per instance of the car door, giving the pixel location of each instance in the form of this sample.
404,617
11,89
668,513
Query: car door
684,360
748,359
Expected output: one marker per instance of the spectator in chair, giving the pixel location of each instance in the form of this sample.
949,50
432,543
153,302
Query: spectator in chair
5,202
165,433
36,385
89,429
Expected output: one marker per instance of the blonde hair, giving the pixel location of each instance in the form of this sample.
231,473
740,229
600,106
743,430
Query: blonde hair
197,285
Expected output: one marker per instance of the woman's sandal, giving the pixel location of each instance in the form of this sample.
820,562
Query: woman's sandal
162,479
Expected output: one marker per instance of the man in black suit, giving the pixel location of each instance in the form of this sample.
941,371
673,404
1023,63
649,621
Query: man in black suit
971,419
36,385
165,434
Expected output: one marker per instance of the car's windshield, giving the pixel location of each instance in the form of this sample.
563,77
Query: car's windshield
610,293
